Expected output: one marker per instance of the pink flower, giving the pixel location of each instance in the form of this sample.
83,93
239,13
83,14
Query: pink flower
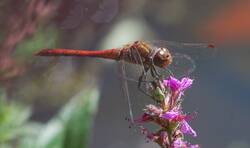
153,110
177,85
173,116
177,117
170,115
145,118
194,146
179,143
187,129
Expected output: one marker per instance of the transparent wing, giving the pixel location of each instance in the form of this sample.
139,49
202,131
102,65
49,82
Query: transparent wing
195,50
125,89
130,74
186,56
182,65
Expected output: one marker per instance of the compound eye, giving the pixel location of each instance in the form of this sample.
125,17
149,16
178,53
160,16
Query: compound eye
162,52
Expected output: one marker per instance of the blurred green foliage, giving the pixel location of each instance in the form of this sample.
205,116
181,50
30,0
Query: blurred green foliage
70,128
12,118
44,37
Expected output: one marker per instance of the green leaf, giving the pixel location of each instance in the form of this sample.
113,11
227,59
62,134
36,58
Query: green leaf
71,127
158,95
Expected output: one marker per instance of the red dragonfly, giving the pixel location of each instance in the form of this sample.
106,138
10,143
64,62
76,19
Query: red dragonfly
149,55
139,52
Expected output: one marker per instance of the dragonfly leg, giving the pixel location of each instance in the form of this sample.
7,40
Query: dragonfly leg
144,92
143,78
154,72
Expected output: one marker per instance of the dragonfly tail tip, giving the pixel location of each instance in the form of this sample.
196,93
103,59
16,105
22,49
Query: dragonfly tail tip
211,45
43,52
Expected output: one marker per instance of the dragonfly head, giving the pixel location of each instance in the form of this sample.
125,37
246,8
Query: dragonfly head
163,58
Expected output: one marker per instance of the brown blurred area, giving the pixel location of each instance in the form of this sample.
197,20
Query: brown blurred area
20,21
230,24
220,93
229,29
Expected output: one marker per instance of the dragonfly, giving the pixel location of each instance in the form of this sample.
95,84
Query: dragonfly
150,55
139,52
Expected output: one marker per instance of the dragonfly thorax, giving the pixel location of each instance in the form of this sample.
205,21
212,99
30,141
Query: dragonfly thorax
143,53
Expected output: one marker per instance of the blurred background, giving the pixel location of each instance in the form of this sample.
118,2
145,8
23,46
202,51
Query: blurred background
48,102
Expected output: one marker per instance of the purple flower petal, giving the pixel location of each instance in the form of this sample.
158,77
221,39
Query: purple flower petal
178,143
187,129
170,115
177,85
194,146
173,83
174,115
185,83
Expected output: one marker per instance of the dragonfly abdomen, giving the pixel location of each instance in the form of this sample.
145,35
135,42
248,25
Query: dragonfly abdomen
108,54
